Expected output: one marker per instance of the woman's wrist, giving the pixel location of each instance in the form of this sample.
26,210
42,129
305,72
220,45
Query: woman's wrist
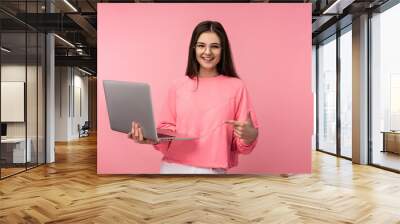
248,140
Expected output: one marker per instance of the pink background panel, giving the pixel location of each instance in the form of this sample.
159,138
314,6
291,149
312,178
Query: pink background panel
271,46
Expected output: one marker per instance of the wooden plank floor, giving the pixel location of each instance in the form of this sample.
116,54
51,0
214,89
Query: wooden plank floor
10,171
70,191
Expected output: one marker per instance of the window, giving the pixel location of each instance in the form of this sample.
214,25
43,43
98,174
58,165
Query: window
327,95
346,93
385,88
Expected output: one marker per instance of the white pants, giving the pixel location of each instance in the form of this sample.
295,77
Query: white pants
176,168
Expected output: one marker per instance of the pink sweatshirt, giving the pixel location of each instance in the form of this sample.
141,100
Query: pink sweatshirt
201,113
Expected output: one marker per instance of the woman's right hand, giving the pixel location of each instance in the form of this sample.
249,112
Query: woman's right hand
137,135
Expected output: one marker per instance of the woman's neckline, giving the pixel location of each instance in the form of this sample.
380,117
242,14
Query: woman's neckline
210,77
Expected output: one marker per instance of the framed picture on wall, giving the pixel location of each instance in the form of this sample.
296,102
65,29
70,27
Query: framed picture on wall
12,101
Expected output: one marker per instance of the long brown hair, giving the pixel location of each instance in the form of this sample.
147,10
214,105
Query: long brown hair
225,65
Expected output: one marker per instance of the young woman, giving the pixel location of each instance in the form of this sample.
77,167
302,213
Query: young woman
211,103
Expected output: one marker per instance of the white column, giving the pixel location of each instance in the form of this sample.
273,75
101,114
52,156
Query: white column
50,110
360,90
50,92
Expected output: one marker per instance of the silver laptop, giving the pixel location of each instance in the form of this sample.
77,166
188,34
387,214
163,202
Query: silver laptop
129,102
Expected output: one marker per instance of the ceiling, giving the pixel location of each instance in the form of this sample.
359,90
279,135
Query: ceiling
76,22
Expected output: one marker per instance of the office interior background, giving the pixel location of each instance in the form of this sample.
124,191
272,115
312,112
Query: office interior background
48,85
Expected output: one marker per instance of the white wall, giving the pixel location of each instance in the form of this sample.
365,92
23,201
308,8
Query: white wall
79,112
71,93
15,72
62,80
33,127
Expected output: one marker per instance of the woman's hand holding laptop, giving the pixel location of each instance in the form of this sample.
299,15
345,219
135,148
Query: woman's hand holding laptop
137,135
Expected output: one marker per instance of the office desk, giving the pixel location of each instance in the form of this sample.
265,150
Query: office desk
13,150
391,141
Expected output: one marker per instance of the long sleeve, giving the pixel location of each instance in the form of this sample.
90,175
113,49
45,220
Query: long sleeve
200,109
167,118
244,107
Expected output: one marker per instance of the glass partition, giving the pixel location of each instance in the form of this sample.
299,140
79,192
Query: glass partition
22,88
31,100
13,103
385,89
41,86
327,95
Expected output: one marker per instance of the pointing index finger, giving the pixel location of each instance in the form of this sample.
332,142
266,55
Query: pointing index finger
234,123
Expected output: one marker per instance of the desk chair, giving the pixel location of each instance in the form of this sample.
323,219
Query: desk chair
84,130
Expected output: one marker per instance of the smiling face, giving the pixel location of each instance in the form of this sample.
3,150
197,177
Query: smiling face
208,51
